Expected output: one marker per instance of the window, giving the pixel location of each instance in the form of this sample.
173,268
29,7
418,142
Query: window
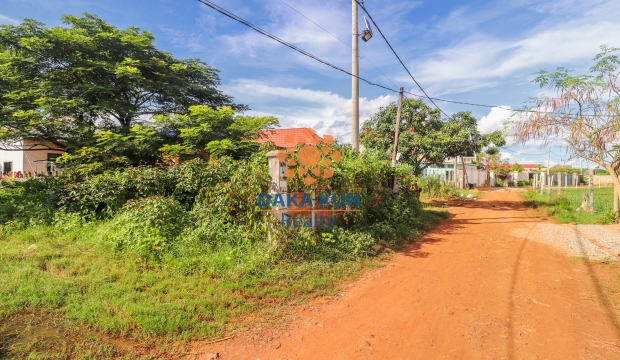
7,166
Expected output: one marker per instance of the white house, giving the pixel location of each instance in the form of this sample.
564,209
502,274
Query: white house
28,158
446,171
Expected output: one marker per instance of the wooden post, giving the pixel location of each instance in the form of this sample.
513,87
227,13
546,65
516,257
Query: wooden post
576,181
591,189
559,179
548,175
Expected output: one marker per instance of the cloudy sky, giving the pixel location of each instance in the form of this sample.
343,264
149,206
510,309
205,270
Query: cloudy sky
483,52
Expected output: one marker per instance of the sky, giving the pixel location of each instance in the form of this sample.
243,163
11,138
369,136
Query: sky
483,52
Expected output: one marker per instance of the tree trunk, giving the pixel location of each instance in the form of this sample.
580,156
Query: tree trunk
616,179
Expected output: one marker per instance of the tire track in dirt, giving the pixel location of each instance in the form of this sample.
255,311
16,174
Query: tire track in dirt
468,289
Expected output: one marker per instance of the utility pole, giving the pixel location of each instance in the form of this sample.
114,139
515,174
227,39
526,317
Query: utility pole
548,176
397,126
396,133
355,89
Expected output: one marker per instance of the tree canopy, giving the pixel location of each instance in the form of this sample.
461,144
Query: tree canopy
583,111
60,85
203,132
425,139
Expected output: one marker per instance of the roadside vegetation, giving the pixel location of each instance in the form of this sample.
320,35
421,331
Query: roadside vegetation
566,208
151,236
181,252
433,188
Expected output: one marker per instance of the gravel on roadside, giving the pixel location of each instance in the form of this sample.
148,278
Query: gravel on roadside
604,234
568,241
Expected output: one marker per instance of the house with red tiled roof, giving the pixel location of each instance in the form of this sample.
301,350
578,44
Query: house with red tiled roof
286,138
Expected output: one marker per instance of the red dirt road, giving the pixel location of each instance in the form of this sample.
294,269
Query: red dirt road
467,290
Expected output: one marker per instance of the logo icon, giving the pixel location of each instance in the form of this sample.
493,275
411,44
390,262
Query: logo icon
310,162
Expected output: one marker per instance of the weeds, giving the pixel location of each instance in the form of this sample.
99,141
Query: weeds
566,208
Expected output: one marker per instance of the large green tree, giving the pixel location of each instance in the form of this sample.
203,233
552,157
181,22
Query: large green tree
62,84
425,139
203,132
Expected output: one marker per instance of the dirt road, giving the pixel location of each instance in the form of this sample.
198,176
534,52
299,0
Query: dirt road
468,290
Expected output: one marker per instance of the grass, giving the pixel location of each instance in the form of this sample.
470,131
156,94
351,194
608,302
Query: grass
564,208
65,279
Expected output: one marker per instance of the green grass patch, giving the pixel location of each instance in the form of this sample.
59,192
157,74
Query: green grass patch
566,208
87,288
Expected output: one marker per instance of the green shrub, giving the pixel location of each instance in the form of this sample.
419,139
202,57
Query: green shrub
148,227
27,202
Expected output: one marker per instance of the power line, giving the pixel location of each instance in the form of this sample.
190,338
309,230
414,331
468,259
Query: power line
398,57
269,35
337,38
266,33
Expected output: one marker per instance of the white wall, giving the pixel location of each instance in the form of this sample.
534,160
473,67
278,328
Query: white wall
33,161
13,156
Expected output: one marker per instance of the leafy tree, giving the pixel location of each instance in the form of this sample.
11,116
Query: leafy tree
203,132
489,160
424,138
214,132
420,137
584,111
518,167
61,84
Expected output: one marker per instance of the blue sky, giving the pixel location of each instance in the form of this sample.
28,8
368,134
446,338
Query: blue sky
474,51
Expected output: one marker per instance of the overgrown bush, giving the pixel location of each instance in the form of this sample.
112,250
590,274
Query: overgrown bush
434,188
148,227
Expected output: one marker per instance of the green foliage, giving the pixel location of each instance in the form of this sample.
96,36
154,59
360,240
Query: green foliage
518,167
202,133
27,202
433,188
57,82
218,132
565,207
424,139
147,227
182,252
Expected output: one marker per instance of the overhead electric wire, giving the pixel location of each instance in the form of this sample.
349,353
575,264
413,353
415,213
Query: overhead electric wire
519,152
339,39
285,43
398,57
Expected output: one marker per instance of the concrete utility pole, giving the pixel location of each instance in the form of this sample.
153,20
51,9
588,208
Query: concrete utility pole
548,177
355,89
397,126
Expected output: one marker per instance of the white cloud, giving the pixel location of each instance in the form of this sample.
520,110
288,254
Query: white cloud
324,111
494,120
7,20
481,59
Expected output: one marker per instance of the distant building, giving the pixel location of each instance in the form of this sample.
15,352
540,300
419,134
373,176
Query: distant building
27,157
446,171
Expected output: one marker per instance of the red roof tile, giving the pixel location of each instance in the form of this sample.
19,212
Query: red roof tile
290,137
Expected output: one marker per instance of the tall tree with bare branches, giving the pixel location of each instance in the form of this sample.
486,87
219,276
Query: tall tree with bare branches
584,111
